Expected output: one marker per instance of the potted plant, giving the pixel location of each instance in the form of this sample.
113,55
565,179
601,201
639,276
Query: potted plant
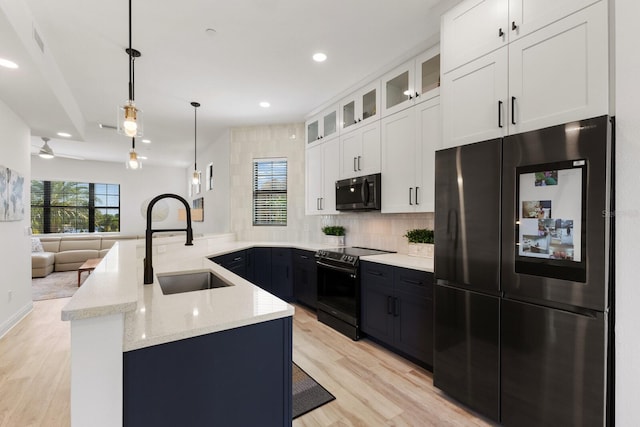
334,234
420,242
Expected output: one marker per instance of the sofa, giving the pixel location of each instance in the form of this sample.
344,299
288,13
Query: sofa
68,252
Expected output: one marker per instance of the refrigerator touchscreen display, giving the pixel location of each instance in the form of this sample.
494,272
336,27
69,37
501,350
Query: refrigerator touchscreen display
550,214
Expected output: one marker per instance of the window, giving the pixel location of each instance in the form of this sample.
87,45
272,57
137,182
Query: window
74,207
270,192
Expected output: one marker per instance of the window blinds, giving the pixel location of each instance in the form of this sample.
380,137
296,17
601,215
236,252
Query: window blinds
270,192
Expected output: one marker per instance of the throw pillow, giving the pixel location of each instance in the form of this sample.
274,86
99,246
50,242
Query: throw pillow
36,245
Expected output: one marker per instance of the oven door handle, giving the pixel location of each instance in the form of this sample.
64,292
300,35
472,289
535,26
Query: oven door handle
336,268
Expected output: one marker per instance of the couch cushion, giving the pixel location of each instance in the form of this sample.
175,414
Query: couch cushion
75,256
50,244
79,244
42,263
42,259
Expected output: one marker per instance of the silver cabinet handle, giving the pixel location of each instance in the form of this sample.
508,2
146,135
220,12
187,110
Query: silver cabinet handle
354,165
359,157
321,200
410,196
417,195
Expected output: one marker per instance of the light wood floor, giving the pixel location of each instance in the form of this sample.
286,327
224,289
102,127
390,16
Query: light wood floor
373,387
35,369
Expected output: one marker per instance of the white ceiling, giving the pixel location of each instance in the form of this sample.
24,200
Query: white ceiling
261,50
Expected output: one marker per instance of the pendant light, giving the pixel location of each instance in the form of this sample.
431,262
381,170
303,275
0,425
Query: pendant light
195,180
45,151
133,162
129,116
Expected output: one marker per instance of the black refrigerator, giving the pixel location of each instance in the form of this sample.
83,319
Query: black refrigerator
524,275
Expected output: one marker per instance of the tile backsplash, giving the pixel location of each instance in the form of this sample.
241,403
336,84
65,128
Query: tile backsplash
367,229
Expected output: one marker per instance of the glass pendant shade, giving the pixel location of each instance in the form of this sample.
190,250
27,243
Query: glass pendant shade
134,163
195,180
130,120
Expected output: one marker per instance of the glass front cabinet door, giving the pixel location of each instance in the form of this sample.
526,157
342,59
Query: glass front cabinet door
414,81
323,125
360,107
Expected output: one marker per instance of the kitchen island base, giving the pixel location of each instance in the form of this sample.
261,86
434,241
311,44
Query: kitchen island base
236,377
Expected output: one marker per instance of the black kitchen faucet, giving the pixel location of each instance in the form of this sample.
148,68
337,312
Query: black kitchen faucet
148,260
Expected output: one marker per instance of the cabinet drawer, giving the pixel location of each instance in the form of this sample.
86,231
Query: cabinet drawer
421,279
372,271
230,259
301,256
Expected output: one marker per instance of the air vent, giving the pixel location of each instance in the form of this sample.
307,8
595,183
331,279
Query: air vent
38,39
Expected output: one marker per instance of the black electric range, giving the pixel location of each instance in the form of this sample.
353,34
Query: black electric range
339,287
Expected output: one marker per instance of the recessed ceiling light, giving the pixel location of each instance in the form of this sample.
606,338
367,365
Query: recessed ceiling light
64,134
146,141
265,104
319,57
7,64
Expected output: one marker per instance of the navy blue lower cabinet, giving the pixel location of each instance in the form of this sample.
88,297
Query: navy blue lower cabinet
235,378
282,273
235,262
262,268
397,309
305,280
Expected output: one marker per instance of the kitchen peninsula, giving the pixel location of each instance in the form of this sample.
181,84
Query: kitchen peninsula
138,355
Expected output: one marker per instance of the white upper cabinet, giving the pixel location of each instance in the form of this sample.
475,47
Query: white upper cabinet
362,106
360,151
560,73
412,82
322,125
474,100
552,75
409,140
527,16
474,28
321,175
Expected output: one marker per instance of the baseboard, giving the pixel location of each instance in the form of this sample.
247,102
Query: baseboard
15,319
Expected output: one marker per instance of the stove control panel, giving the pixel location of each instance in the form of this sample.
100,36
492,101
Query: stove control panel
338,257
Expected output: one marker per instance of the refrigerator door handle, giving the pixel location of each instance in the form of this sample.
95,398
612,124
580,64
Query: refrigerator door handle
578,311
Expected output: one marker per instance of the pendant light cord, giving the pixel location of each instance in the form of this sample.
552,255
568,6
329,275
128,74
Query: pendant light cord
133,143
195,138
130,58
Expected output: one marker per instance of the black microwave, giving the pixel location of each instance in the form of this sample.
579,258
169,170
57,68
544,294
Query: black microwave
358,194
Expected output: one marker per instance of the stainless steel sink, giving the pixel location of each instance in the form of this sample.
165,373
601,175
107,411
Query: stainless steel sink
188,282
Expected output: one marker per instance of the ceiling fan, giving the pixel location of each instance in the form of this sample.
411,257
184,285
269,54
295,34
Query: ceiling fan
46,152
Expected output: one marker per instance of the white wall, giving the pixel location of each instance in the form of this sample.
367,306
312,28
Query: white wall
627,212
15,250
372,230
136,186
216,200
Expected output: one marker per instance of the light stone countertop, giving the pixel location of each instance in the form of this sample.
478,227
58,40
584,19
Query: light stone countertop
402,260
152,318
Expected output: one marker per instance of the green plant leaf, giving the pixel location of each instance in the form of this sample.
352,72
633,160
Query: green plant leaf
419,235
